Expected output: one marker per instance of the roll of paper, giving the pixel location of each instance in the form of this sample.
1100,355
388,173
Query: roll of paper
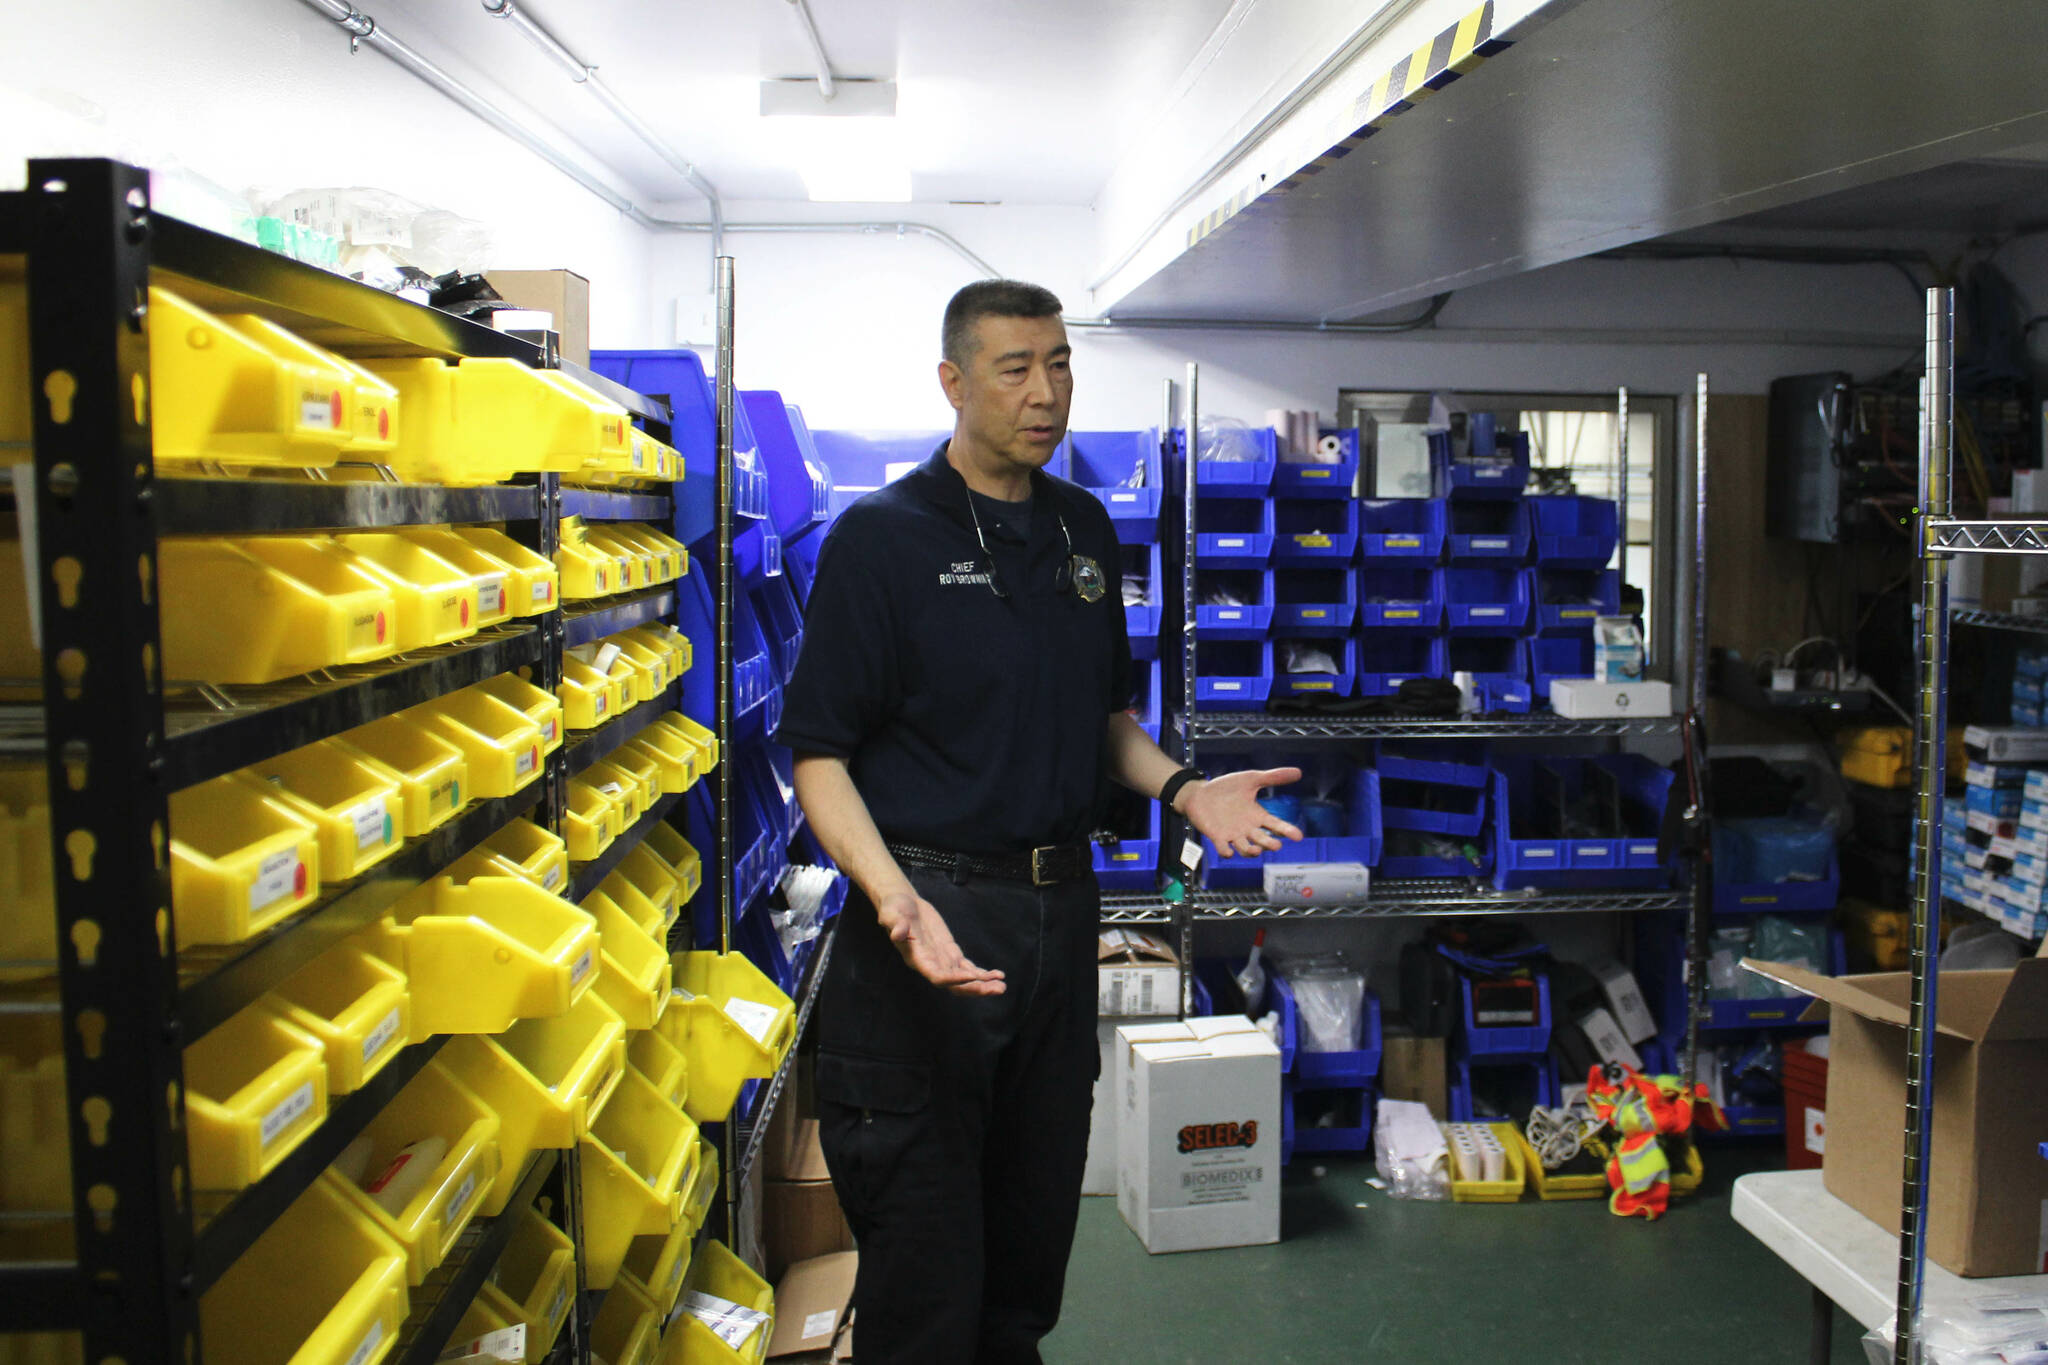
1330,450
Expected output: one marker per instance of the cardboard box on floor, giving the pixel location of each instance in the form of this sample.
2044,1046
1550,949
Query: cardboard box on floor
1198,1140
1137,974
1413,1068
562,293
800,1214
1988,1186
1099,1175
811,1302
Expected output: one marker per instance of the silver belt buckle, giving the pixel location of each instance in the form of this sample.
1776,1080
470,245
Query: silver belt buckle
1039,876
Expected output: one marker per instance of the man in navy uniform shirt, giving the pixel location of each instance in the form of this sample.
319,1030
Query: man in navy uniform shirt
957,711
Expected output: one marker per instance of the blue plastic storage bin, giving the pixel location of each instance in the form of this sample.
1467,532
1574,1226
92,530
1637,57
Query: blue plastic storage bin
1297,479
1104,463
793,485
1403,597
1252,588
1541,1081
1504,475
1144,620
781,622
1568,600
1352,1067
1342,683
800,567
1486,531
1756,859
1773,1012
1405,529
1411,853
756,553
1219,479
1148,701
1129,861
1537,842
1440,763
1318,1120
815,467
679,378
1387,659
1314,603
1233,675
1485,601
1558,656
1360,843
1574,532
753,668
1477,1038
1314,533
1431,807
861,461
1497,664
1233,534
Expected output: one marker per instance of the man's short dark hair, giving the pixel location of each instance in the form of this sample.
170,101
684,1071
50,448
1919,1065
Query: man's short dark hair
992,299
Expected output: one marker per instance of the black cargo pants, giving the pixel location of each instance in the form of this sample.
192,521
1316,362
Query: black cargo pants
956,1129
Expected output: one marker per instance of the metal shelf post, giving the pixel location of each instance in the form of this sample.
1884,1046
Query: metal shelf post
727,396
1179,832
1699,807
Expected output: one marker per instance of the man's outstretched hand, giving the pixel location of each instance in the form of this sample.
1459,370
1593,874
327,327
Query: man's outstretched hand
1227,810
921,936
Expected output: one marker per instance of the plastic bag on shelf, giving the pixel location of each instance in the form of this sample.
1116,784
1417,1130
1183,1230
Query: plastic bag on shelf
1137,586
1726,980
1330,995
1299,656
1226,440
1780,938
1409,1152
2008,1329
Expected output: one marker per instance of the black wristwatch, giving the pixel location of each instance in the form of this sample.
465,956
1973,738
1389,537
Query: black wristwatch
1175,783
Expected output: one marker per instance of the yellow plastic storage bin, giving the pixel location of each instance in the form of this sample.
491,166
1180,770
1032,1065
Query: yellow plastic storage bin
656,1058
544,1079
636,1161
1550,1186
657,564
254,1088
535,583
646,914
323,1285
354,803
432,774
487,419
372,406
588,697
627,1331
719,1274
223,395
655,1266
586,570
629,564
436,600
482,955
635,973
663,642
675,762
654,879
700,738
499,742
486,1314
433,1106
623,786
356,1004
268,607
241,860
629,673
536,1281
666,842
491,575
678,553
28,930
644,770
652,662
1503,1191
35,1125
732,1025
538,705
704,1188
591,822
537,853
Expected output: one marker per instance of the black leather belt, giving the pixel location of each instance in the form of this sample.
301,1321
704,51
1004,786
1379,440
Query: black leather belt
1041,866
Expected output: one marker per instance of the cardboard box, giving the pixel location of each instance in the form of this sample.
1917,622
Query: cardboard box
564,294
1415,1069
1587,698
1988,1191
811,1301
1607,1039
1099,1175
1198,1141
800,1221
1137,975
1625,1000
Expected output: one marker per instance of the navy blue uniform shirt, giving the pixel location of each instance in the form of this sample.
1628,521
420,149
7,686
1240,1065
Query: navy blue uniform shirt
968,722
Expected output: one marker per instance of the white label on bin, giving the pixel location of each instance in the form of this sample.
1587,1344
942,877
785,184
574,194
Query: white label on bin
551,878
559,1302
581,969
287,1112
1230,543
752,1016
1227,686
732,1323
607,655
821,1323
372,1339
1489,611
1539,853
277,878
1113,497
369,820
463,1193
1489,542
1816,1132
490,595
1642,850
316,412
523,764
381,1036
1228,614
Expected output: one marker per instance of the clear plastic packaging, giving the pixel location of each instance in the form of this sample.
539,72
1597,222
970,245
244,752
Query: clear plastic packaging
1409,1151
2008,1329
1330,995
1227,440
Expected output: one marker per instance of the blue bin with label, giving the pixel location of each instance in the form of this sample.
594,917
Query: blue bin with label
1485,531
1314,534
1232,479
1318,478
1574,532
1464,473
1314,682
1314,603
1233,675
1568,600
1408,530
1586,823
1122,469
1233,535
1399,597
1248,616
1493,601
1143,620
1126,852
1386,659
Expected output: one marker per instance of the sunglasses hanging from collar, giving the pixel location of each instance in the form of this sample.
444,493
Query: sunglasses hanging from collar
1078,574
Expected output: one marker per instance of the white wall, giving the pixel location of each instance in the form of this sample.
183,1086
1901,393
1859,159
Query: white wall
250,93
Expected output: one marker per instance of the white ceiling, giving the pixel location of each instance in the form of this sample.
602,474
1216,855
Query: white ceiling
1022,101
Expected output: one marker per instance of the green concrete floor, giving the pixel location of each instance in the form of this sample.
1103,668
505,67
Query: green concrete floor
1362,1277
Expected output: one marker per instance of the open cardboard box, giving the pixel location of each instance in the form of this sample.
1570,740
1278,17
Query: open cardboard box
811,1306
1987,1184
1137,974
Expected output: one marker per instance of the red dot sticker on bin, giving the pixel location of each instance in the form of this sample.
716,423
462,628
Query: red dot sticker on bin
334,408
380,627
465,611
280,876
383,424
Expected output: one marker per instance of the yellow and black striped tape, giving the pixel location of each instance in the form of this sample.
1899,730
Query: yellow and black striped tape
1431,67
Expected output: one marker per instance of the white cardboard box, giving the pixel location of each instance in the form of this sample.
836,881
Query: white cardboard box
1606,1037
1136,973
1625,998
1587,699
1198,1138
1099,1175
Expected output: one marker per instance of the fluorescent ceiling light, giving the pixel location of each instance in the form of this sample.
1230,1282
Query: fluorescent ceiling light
846,161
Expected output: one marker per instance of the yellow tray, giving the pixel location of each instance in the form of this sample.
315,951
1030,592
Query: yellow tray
586,570
697,736
622,785
499,742
356,1004
323,1285
1496,1191
225,396
536,1281
1550,1187
241,860
655,1266
653,662
591,822
491,575
436,600
268,607
534,585
637,1159
372,406
678,553
644,770
28,931
353,802
538,854
654,879
656,1058
724,989
672,649
485,1314
675,762
431,773
487,419
655,558
588,697
629,565
433,1104
719,1273
255,1087
646,914
627,1331
538,704
636,973
704,1189
482,955
35,1124
544,1078
667,843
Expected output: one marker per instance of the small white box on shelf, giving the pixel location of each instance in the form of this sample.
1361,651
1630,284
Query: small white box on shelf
1587,699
